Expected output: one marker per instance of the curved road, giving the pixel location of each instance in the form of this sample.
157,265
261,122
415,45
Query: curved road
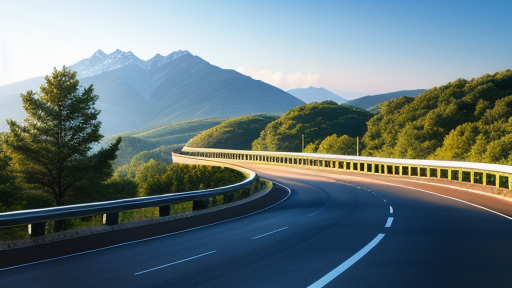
333,230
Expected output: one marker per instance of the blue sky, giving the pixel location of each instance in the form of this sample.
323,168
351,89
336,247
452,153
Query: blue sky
349,47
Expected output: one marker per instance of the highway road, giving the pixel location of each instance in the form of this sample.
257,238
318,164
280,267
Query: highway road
333,230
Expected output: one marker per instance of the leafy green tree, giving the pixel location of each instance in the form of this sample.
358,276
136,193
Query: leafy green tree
53,149
343,145
9,191
149,178
312,147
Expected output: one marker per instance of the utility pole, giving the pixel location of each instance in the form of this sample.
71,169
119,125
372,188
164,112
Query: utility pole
357,146
302,143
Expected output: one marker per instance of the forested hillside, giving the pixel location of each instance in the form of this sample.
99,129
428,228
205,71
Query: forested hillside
462,120
237,133
162,140
315,121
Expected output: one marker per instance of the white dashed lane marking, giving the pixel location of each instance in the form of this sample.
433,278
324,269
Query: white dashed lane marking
390,220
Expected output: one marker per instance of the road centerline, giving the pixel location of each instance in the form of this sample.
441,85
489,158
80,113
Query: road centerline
197,256
269,233
390,220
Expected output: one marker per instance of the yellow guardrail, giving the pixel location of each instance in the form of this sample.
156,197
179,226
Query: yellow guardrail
499,176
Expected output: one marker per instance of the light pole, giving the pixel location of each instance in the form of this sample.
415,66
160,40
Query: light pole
302,143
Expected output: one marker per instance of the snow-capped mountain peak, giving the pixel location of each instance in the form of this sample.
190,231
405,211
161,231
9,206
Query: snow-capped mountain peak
155,60
99,54
101,62
158,59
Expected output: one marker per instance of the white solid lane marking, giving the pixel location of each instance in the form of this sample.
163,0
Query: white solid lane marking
390,210
269,233
174,263
390,220
345,265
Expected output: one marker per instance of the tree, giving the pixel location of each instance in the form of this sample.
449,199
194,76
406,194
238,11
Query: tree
54,148
343,145
9,196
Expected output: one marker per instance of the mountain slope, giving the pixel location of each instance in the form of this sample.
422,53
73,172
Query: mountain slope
172,135
369,101
10,100
313,94
213,92
137,94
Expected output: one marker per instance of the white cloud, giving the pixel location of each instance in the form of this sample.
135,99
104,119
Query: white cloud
283,81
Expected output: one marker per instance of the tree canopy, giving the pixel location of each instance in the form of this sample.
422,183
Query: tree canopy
462,120
316,121
342,145
53,149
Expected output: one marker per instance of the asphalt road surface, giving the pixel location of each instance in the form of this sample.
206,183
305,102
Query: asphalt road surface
333,230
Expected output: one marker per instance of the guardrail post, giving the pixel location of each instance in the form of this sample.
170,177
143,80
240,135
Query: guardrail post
228,198
199,204
37,229
110,219
164,210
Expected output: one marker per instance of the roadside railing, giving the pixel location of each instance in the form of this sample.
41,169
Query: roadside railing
499,176
37,218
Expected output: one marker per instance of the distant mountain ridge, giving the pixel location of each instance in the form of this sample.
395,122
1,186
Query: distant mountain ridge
101,62
137,94
367,102
313,94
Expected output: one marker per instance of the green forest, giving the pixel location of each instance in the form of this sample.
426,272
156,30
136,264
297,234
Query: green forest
315,121
462,120
237,133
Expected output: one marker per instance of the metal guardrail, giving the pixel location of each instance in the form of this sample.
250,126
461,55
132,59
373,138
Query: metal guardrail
37,218
496,175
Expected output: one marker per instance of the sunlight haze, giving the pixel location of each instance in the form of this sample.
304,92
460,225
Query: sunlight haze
352,48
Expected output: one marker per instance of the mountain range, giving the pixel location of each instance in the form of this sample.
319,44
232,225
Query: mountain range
313,94
367,102
136,94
